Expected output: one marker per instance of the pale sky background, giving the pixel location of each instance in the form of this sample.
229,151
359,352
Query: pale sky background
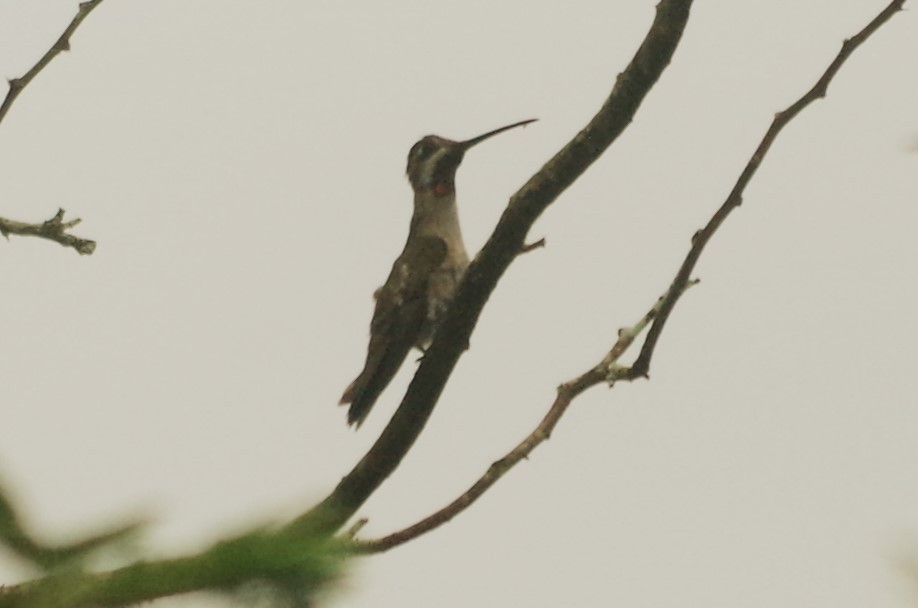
241,166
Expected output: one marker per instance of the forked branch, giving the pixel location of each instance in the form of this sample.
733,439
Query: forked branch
504,245
608,370
54,229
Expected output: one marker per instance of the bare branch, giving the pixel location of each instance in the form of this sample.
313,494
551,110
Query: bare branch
62,44
504,245
608,370
604,371
54,229
641,366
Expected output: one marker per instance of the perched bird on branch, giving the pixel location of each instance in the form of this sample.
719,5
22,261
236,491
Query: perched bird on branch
424,278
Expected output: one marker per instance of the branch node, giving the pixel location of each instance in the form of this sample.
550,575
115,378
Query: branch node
530,246
85,247
55,222
54,229
356,528
615,372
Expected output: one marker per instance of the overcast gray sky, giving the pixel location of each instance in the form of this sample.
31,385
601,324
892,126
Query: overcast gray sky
241,166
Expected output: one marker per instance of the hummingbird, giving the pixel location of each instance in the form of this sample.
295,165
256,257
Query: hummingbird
424,277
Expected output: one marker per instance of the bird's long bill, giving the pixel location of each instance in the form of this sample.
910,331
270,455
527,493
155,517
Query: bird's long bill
476,140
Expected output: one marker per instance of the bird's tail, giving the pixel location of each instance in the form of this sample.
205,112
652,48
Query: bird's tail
360,398
366,388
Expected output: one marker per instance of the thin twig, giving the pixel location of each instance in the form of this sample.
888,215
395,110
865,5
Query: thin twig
641,366
604,371
533,246
54,229
608,370
62,44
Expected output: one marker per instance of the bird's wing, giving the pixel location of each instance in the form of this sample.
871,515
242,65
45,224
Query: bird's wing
400,313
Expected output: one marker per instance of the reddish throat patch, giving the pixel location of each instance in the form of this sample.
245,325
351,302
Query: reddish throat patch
442,188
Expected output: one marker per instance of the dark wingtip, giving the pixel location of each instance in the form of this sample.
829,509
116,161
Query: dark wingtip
358,412
360,400
350,393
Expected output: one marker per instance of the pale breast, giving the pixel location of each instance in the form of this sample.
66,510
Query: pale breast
440,291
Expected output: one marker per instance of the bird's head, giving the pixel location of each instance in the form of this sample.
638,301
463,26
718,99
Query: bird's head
432,161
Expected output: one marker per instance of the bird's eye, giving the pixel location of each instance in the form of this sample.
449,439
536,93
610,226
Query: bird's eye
421,149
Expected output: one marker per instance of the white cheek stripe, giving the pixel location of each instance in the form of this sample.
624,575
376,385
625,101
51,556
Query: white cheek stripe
428,166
